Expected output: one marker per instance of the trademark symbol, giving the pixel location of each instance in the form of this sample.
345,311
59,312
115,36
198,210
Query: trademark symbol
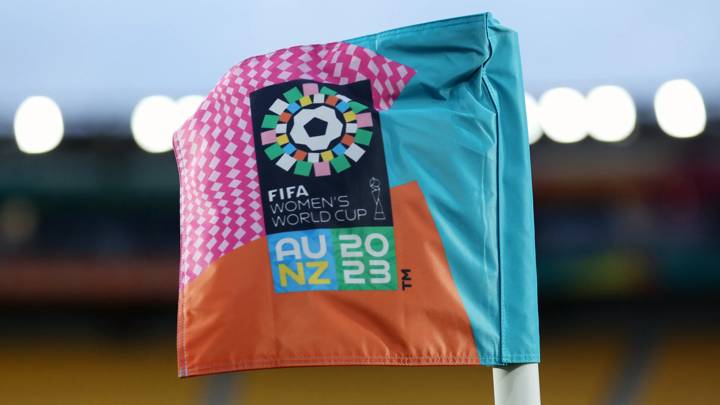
406,278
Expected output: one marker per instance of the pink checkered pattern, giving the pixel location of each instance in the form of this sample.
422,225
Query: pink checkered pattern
220,205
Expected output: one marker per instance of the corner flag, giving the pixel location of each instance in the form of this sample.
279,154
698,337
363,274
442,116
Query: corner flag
365,202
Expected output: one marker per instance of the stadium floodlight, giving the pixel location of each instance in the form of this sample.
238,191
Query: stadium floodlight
680,109
153,122
611,112
38,125
563,115
156,118
533,119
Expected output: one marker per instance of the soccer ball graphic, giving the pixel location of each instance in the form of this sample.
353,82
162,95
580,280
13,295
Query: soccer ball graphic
316,128
312,130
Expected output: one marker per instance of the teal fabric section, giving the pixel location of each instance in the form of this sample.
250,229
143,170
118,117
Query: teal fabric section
459,129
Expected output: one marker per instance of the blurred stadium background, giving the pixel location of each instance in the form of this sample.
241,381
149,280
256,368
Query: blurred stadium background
624,110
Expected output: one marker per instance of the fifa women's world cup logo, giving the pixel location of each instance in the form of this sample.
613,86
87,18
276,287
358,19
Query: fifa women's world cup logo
315,131
318,147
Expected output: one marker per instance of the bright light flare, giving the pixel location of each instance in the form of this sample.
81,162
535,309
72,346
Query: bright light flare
156,118
533,119
38,125
680,109
612,114
564,115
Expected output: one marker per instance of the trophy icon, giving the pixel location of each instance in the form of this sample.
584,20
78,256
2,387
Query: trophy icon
375,191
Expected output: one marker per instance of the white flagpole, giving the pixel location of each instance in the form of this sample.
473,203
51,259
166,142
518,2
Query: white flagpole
517,385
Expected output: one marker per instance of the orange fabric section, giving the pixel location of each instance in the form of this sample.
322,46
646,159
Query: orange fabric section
231,318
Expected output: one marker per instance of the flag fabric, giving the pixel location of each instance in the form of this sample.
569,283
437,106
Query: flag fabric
364,202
